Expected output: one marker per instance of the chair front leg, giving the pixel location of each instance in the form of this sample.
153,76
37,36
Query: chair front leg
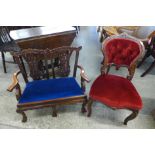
131,116
89,107
83,109
54,113
24,119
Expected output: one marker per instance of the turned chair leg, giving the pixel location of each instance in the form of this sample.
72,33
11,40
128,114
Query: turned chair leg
54,113
149,69
83,109
24,119
131,116
89,107
3,59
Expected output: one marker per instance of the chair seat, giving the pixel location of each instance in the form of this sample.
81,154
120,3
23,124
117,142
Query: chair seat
116,92
41,90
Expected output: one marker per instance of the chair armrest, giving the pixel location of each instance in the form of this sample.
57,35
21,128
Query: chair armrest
15,85
82,74
15,81
83,78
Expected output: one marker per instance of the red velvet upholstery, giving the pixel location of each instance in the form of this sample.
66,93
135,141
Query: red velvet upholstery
116,92
121,51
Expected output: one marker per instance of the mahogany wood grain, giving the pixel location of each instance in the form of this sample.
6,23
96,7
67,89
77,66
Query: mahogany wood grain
33,57
44,37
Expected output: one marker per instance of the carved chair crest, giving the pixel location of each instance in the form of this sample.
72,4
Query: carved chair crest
45,63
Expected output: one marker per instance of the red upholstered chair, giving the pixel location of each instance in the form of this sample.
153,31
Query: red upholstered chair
112,90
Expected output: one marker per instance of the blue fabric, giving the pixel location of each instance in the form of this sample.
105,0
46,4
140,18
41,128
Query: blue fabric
40,90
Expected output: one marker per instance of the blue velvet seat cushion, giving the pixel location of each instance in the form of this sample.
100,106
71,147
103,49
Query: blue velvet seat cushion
41,90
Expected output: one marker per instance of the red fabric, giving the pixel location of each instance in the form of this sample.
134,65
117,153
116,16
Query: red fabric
116,92
121,51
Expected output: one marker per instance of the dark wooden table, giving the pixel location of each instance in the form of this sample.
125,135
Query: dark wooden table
44,37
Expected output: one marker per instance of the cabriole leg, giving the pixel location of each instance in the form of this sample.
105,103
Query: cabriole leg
24,119
131,116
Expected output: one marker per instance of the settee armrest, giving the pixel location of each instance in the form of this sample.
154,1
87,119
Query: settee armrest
83,77
15,85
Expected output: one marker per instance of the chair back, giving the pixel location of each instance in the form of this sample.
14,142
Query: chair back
4,35
43,64
122,50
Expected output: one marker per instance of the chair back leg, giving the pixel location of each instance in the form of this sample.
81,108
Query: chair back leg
149,69
141,62
89,107
3,60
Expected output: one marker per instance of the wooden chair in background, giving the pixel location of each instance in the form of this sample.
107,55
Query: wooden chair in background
7,44
150,51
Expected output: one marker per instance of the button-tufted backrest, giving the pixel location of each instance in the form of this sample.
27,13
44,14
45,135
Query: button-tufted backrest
122,51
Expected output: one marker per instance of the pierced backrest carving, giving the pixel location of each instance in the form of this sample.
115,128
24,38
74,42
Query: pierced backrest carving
47,63
121,50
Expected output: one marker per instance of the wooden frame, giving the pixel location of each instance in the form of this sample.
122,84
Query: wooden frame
30,54
105,68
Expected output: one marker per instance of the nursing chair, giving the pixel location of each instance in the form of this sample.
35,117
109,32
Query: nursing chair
43,91
115,91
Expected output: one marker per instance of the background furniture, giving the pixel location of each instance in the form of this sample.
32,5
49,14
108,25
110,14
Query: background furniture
7,44
106,31
115,91
44,37
150,51
48,92
10,28
132,30
77,28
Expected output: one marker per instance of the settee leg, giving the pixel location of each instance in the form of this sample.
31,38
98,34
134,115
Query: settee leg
89,107
83,109
24,119
131,116
54,113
